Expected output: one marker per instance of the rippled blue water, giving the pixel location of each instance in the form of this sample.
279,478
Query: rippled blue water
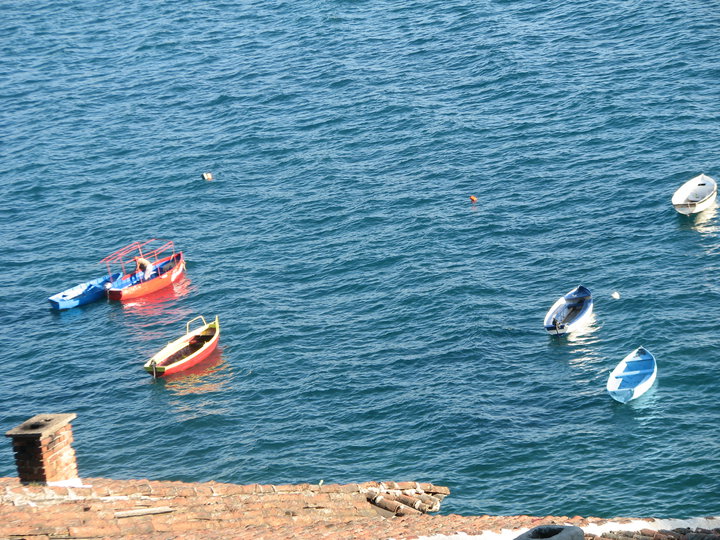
375,324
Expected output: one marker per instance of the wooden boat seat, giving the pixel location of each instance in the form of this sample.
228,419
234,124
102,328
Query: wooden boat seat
201,338
637,372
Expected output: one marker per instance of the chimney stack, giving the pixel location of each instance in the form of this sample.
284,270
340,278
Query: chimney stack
43,451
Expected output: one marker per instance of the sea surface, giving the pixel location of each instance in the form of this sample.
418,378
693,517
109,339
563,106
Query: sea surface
376,324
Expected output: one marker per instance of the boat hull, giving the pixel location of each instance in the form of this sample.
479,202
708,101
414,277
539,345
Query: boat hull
187,351
81,294
167,272
695,195
570,313
633,376
691,208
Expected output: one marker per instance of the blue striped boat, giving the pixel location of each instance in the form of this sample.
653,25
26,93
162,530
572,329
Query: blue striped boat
633,376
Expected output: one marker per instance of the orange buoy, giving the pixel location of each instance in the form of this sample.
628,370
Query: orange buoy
207,176
473,198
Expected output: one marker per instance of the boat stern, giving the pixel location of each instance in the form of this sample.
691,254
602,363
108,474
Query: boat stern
684,209
622,395
558,330
59,304
152,367
114,294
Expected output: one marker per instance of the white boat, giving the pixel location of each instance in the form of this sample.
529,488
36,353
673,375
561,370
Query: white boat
695,195
633,376
570,313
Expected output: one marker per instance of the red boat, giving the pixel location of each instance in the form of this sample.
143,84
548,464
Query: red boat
165,267
186,351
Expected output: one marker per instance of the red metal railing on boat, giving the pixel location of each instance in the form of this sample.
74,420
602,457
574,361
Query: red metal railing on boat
138,249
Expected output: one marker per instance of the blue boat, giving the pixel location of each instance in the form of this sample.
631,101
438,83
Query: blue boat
632,376
83,293
570,312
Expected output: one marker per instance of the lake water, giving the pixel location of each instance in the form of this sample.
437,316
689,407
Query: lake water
376,325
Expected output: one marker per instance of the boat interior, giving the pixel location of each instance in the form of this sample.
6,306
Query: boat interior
194,345
636,370
137,276
696,193
698,196
168,265
569,312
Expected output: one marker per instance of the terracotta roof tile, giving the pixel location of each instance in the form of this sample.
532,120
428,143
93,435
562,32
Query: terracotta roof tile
153,510
104,508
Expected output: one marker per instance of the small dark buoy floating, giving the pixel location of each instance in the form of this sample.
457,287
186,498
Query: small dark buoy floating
207,176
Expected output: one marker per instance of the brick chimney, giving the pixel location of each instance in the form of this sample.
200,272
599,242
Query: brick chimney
43,451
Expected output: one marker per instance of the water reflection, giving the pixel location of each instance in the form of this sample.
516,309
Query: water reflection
637,412
76,313
704,222
141,315
200,390
579,351
210,375
584,336
162,302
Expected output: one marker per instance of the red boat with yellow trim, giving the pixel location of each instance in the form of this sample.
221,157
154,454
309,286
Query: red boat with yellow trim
186,351
163,267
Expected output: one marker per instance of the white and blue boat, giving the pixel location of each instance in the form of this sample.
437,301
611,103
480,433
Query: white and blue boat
633,376
571,312
83,293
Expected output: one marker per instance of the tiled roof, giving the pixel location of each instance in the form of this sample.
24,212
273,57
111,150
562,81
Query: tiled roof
151,510
104,508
